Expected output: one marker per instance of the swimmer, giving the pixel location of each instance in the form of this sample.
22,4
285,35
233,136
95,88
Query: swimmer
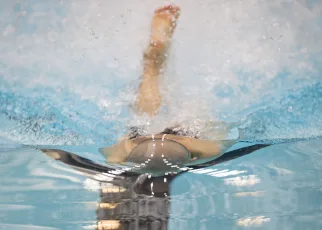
169,144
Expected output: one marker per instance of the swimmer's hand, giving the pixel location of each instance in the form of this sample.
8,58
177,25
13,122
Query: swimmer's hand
164,23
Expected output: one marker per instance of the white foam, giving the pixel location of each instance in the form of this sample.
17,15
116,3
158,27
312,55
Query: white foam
226,54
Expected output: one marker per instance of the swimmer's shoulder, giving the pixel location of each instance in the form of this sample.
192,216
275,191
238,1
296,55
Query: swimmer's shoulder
198,148
202,148
118,152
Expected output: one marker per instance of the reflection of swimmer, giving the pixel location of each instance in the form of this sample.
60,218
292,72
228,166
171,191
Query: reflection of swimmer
127,200
187,148
121,204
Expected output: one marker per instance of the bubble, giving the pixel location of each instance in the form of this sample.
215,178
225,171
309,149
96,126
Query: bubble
92,32
255,69
290,109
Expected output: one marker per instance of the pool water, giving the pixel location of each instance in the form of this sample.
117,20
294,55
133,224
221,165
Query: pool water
69,71
278,187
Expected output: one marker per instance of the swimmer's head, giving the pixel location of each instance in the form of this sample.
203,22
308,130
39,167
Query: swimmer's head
158,156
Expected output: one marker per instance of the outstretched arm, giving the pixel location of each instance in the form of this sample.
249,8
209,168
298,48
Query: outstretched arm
163,24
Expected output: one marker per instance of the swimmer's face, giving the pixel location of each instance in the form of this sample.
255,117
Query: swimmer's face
158,156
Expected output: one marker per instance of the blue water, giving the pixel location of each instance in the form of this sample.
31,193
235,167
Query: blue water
279,185
68,72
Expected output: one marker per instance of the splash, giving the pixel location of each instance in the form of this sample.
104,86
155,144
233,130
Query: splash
68,70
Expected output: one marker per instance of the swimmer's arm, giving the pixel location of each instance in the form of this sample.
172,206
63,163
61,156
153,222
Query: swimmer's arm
119,152
149,97
154,59
203,150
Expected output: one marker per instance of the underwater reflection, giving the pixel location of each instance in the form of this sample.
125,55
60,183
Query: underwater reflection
129,200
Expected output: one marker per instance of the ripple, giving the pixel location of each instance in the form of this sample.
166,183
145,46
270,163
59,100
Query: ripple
243,180
25,227
254,221
13,207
